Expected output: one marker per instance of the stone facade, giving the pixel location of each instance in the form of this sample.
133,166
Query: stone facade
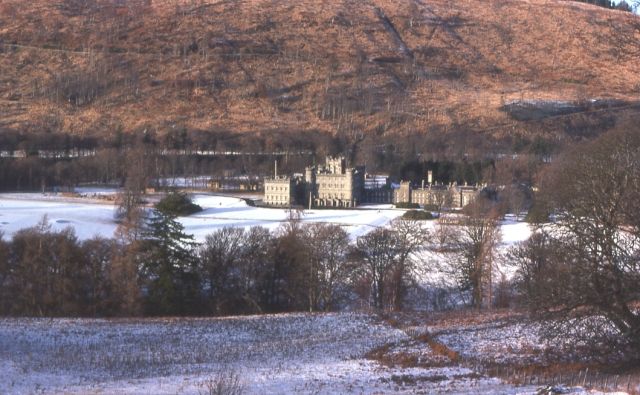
334,184
403,193
465,194
432,195
330,185
279,191
380,195
439,195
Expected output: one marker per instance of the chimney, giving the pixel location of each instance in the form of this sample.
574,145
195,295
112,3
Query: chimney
430,176
423,183
275,170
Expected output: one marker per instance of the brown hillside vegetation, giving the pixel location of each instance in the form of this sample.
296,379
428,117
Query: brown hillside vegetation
490,70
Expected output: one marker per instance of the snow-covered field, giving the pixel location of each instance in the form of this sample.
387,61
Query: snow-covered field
227,211
91,217
88,219
277,354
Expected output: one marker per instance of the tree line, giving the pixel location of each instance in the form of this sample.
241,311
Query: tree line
622,5
110,163
579,270
155,268
152,267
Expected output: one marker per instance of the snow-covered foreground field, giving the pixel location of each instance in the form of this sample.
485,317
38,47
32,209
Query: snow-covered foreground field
91,218
278,354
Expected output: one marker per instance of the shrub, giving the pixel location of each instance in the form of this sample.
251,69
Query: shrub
226,383
538,214
407,205
418,215
177,204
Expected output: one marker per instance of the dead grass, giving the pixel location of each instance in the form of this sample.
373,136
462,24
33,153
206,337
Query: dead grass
420,350
225,383
442,349
528,364
309,65
600,377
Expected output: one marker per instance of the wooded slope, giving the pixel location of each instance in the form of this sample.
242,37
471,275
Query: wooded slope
491,70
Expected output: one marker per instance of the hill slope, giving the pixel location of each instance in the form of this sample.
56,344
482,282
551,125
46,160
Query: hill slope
496,70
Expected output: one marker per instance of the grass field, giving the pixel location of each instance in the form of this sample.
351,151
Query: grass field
276,354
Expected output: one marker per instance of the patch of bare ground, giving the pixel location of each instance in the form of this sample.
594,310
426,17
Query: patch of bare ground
505,344
420,350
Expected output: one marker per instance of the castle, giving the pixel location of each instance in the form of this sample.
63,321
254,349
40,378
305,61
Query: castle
331,185
336,185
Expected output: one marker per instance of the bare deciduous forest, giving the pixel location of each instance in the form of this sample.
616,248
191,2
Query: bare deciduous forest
333,77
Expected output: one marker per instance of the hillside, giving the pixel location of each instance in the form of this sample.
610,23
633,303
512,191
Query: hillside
458,75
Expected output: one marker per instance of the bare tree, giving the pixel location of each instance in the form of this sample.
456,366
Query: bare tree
471,255
5,276
255,267
97,255
377,251
515,200
126,295
220,257
329,270
537,267
596,193
444,231
129,202
48,271
411,237
288,277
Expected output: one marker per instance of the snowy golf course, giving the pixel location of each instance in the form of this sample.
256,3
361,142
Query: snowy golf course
92,217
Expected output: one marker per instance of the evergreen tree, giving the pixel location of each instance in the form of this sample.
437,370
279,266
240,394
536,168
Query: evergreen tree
620,5
601,3
177,203
169,267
